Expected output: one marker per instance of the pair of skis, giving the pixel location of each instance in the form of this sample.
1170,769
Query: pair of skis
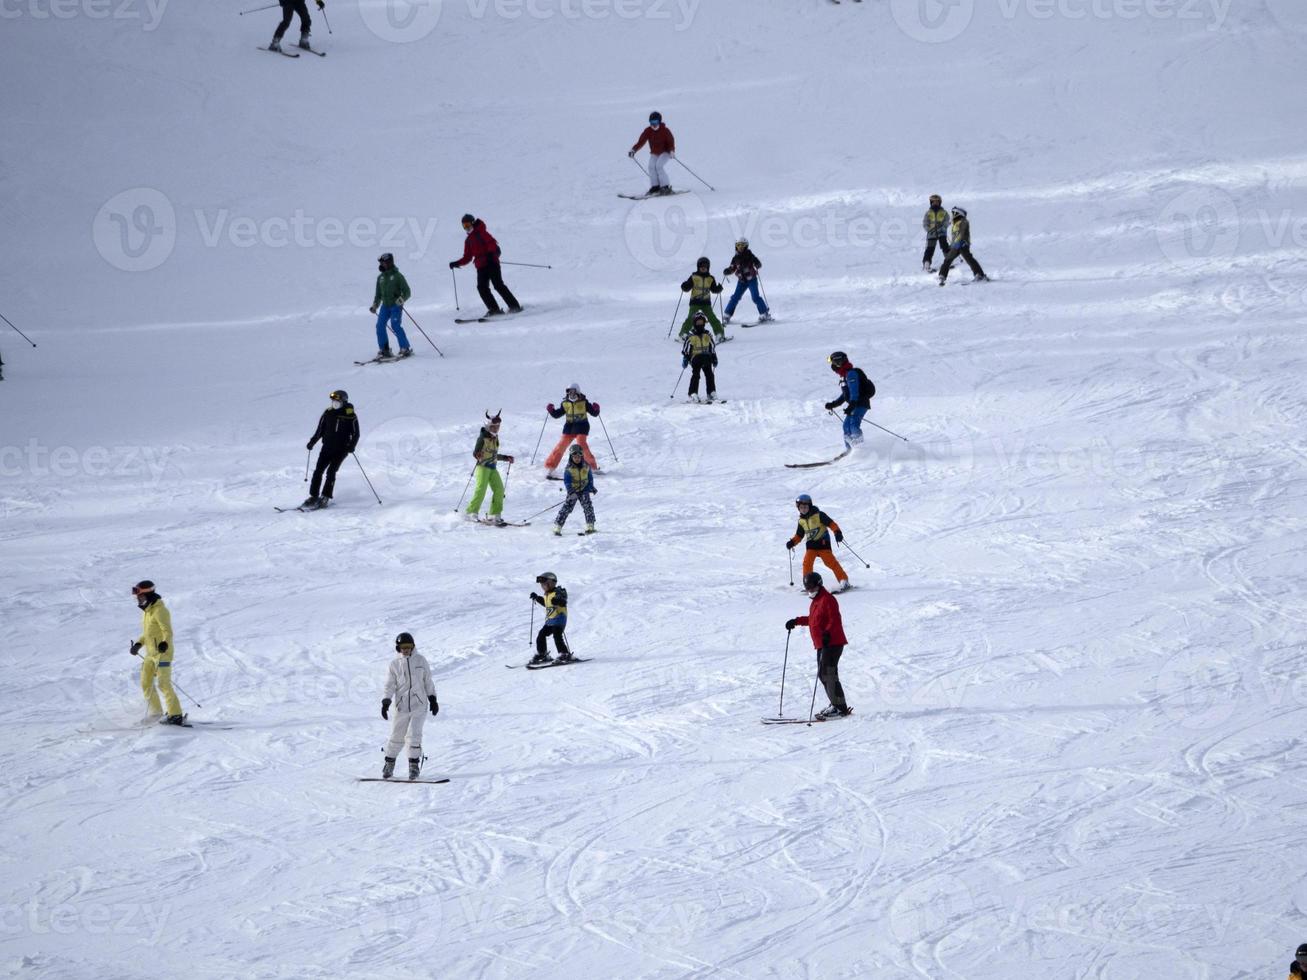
292,54
648,197
551,663
379,359
815,719
489,317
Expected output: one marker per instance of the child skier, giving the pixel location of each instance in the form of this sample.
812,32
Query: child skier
702,287
827,630
487,456
662,150
580,483
338,428
744,266
961,236
411,690
555,602
391,294
700,355
156,663
574,409
935,224
815,528
856,393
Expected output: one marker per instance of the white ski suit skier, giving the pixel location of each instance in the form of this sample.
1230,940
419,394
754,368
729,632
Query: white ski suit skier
409,692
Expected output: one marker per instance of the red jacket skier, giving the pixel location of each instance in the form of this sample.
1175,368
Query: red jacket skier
827,629
481,249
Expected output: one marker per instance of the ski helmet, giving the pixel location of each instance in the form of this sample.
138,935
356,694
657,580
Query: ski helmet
838,359
812,581
700,320
544,577
339,395
576,451
655,117
703,263
803,498
468,220
1302,950
960,212
143,587
385,258
741,243
936,200
404,640
574,386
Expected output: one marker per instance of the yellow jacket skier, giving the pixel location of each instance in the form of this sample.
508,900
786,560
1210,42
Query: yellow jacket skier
156,660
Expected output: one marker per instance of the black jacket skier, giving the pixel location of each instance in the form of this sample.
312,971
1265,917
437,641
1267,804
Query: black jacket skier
338,430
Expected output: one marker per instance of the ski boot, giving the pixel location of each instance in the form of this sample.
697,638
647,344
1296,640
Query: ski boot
981,278
388,768
589,529
174,720
943,279
474,518
495,312
414,768
304,42
558,530
828,712
275,45
726,320
310,503
927,267
385,352
406,352
541,658
515,309
564,657
764,318
497,520
323,503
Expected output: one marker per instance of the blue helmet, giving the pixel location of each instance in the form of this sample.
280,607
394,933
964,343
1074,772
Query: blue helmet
803,498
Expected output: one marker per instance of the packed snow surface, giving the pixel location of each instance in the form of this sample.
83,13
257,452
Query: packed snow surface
1076,643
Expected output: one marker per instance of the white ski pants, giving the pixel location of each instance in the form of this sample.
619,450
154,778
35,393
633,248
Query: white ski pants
404,723
658,170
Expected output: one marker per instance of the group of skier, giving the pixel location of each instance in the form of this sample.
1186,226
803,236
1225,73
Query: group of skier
952,237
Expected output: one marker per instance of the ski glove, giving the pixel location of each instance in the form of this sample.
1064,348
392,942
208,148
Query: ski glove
550,408
309,446
839,537
714,360
789,545
136,648
594,406
537,599
685,363
385,708
830,406
163,646
453,264
631,154
322,4
715,288
372,309
435,708
790,624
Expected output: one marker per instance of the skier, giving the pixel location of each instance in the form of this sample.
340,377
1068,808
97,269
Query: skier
935,224
575,409
391,295
487,454
744,266
662,149
815,527
411,690
857,391
827,630
482,251
702,287
700,355
1298,968
289,8
580,483
961,237
156,663
338,428
555,602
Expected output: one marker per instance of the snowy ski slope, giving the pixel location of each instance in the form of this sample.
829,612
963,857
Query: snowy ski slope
1076,659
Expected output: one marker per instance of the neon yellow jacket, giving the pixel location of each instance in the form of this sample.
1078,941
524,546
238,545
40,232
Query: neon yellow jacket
156,628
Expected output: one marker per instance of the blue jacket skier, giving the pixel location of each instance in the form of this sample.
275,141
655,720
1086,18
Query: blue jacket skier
856,393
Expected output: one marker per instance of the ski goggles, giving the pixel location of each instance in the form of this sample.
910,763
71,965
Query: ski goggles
145,588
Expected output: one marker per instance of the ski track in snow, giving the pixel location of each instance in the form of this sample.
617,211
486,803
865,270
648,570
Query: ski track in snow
1075,658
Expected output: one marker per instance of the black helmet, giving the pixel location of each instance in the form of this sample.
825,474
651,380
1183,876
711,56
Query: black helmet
1302,950
143,587
802,498
547,577
812,581
385,258
404,640
655,117
960,212
838,358
339,395
703,261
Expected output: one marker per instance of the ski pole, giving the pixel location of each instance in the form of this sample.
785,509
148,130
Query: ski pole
855,554
813,706
308,454
791,551
780,710
19,332
606,436
678,383
324,18
458,506
422,332
454,276
890,431
636,162
253,10
365,477
675,315
507,473
538,513
178,687
527,265
763,289
695,175
533,623
543,425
